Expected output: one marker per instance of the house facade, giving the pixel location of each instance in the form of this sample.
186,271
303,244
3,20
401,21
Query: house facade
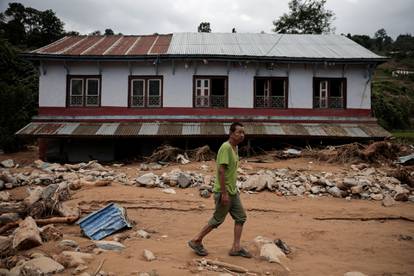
196,84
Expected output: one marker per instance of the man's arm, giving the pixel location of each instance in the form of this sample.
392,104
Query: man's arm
224,195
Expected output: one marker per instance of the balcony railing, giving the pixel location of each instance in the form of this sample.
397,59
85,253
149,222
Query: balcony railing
210,101
333,102
270,101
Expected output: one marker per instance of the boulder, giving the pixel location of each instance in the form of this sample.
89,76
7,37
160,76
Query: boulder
350,182
377,196
9,163
74,259
271,253
258,182
148,180
183,180
315,189
34,195
27,235
41,266
356,189
388,201
335,191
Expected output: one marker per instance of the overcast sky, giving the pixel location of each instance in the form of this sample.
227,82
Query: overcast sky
252,16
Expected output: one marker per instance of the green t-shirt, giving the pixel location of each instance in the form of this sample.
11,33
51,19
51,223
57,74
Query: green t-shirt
227,156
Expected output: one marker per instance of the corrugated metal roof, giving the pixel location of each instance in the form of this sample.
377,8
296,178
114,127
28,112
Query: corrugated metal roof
104,222
294,46
268,45
178,129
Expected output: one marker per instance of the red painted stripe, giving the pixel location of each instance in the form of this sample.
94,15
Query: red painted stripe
110,110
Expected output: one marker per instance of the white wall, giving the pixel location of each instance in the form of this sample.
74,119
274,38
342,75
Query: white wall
178,87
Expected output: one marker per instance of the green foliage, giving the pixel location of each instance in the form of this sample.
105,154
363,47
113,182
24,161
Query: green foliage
18,95
109,32
305,17
204,27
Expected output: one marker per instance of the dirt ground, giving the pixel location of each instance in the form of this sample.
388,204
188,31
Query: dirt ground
320,247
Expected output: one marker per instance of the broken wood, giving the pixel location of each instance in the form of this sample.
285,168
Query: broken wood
366,218
231,267
12,207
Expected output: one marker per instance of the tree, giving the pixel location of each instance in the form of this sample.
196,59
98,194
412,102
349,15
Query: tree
382,40
97,32
305,17
204,27
109,32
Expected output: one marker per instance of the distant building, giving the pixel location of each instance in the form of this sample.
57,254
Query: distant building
196,84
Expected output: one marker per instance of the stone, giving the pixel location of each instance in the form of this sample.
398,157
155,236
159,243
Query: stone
50,233
315,189
401,194
148,255
9,217
4,196
8,186
357,189
354,273
27,235
84,274
388,201
34,195
79,269
258,182
9,163
271,253
110,245
170,191
143,234
41,266
377,196
68,245
183,180
205,193
148,180
4,272
350,182
74,259
335,191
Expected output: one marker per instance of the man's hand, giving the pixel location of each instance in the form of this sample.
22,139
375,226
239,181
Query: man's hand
225,200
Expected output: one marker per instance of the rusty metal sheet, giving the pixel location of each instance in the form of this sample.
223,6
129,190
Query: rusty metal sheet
102,46
68,128
254,129
174,129
82,46
354,131
107,129
274,129
161,45
294,130
334,130
212,129
191,129
29,129
374,130
122,47
149,129
48,129
61,45
86,129
128,129
143,45
314,129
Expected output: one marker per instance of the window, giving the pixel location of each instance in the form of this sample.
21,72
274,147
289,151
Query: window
145,91
270,92
329,92
210,91
84,91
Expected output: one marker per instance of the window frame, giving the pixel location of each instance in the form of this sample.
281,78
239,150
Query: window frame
286,92
329,80
146,79
210,78
84,95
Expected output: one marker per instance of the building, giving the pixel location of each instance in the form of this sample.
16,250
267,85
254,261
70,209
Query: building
196,84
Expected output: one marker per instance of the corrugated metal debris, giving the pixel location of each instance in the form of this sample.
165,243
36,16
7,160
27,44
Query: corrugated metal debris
104,222
175,129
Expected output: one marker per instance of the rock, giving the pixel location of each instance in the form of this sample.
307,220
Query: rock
350,182
357,189
148,180
401,194
74,259
8,186
315,189
388,201
354,273
41,266
9,217
109,245
1,184
143,234
79,269
282,245
272,253
34,195
34,255
68,245
148,255
27,235
205,193
335,191
258,182
4,196
9,163
170,191
377,196
84,274
50,233
4,272
183,180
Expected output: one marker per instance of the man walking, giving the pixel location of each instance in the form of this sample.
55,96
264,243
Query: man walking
226,196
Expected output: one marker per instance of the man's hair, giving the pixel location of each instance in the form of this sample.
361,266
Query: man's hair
234,125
